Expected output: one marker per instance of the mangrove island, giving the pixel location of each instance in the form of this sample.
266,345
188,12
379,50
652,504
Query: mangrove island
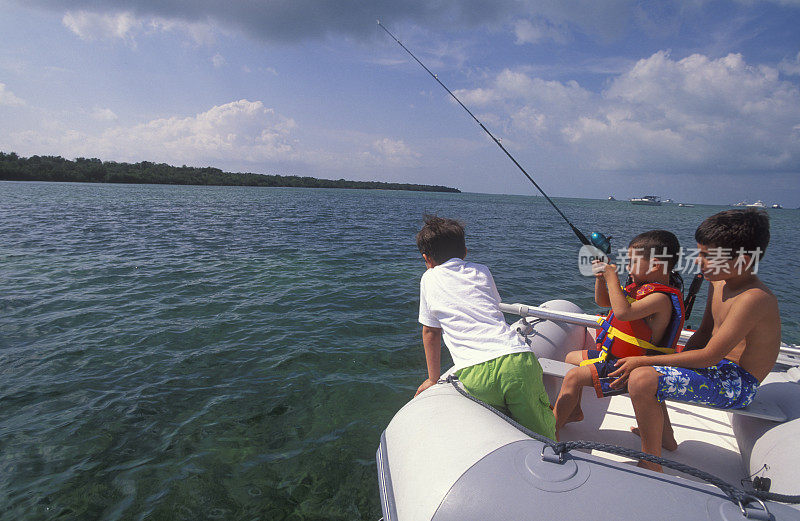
82,170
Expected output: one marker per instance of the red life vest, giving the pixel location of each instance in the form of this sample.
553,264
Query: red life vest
620,338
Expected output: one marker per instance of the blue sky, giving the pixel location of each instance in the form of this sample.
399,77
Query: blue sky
697,100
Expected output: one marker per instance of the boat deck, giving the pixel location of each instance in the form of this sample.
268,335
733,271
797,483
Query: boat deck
705,438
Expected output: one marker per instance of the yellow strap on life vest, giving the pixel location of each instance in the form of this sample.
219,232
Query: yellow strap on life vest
644,344
625,337
590,361
603,353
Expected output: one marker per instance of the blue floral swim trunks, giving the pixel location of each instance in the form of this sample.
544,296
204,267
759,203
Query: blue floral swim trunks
725,385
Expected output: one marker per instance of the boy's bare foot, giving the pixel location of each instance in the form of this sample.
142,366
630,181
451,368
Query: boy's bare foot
576,416
667,440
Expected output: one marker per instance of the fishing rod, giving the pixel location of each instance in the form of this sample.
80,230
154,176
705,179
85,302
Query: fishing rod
599,240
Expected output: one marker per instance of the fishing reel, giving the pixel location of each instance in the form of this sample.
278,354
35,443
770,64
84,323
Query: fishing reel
601,242
596,248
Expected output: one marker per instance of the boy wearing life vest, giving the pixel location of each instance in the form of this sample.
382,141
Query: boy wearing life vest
459,303
736,344
646,318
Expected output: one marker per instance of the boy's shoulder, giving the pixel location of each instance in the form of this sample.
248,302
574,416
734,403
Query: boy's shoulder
753,296
752,287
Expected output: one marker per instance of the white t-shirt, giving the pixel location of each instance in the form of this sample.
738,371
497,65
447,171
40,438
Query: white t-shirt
460,297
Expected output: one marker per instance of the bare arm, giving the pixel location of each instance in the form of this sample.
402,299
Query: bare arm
740,320
432,342
601,292
703,334
624,310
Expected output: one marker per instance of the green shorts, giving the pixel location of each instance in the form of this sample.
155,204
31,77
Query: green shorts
513,384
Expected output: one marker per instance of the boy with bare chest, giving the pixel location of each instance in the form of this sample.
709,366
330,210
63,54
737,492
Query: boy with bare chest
736,344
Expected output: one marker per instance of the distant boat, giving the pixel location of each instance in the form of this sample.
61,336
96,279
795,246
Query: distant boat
685,205
757,204
611,198
647,200
741,203
777,206
668,201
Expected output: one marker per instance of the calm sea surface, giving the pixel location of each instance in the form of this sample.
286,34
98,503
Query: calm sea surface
171,352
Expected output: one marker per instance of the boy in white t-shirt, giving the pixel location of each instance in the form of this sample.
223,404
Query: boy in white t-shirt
460,303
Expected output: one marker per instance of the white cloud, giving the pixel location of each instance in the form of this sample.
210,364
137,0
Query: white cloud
200,33
97,26
218,60
103,114
394,152
661,115
790,67
241,135
8,99
477,96
241,131
530,32
698,112
124,25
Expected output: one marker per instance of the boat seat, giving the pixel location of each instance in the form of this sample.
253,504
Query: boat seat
763,409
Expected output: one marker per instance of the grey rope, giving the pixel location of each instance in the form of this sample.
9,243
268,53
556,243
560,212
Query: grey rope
737,495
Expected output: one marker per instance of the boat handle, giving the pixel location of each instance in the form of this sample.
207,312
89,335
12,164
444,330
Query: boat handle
554,458
755,513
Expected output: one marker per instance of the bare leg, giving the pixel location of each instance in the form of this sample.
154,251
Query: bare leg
642,386
574,357
567,408
668,441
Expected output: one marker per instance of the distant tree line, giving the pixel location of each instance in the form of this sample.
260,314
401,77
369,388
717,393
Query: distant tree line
82,170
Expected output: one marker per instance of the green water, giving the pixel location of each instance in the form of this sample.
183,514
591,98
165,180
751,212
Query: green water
172,352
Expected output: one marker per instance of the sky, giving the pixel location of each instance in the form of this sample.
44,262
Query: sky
697,100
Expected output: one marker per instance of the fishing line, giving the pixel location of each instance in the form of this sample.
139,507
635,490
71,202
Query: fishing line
578,233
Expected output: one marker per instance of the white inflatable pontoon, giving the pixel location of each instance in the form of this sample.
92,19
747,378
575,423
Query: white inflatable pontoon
444,457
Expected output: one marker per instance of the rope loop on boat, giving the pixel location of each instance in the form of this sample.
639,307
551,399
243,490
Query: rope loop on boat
740,497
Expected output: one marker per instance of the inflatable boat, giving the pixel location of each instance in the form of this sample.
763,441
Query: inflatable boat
447,457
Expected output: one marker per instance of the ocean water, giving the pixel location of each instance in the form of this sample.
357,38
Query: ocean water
172,352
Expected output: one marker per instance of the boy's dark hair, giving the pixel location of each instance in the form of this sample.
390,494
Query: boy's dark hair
441,239
661,243
740,230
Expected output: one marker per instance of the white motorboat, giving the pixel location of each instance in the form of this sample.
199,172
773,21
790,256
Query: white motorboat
757,204
647,200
